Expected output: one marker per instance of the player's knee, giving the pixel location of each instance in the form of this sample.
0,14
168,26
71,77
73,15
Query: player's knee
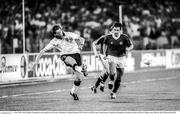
112,71
105,76
118,79
111,76
74,66
107,73
77,82
120,71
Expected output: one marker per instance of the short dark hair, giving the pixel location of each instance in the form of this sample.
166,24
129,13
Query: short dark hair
55,28
116,24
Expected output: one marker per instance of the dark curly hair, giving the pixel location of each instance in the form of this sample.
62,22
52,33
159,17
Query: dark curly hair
55,28
116,24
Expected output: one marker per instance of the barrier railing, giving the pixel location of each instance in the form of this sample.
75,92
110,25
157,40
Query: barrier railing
15,67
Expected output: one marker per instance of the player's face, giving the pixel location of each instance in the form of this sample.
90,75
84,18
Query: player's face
116,31
59,33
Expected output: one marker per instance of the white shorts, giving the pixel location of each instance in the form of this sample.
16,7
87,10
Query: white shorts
120,61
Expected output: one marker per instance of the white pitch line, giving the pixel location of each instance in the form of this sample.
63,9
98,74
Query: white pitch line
151,80
125,83
14,85
36,93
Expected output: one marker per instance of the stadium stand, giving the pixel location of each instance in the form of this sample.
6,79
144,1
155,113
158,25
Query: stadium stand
152,24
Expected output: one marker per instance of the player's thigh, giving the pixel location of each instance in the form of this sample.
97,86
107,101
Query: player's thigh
120,72
104,62
106,65
112,67
103,72
121,62
70,61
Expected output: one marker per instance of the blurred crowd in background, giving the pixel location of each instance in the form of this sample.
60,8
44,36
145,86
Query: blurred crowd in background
151,24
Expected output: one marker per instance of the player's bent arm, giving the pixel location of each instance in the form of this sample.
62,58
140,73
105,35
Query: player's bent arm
82,41
48,47
130,47
104,49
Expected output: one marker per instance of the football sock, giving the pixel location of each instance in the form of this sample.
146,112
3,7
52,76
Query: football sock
105,77
118,79
111,76
116,86
98,82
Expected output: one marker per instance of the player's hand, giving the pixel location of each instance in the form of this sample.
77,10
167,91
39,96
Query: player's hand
80,46
127,49
84,70
97,55
104,57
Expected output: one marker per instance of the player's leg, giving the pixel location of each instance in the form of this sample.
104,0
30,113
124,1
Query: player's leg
112,69
102,83
76,85
98,81
120,72
105,76
74,61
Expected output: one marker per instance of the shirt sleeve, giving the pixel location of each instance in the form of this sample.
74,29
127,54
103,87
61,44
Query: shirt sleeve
105,41
77,38
128,42
50,45
72,35
100,40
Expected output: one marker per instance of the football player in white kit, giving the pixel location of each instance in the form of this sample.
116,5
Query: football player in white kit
69,44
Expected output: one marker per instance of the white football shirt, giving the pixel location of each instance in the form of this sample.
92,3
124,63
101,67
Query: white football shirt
68,45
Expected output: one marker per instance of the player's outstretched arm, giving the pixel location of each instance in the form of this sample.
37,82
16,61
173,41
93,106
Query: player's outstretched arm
48,47
33,64
39,56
